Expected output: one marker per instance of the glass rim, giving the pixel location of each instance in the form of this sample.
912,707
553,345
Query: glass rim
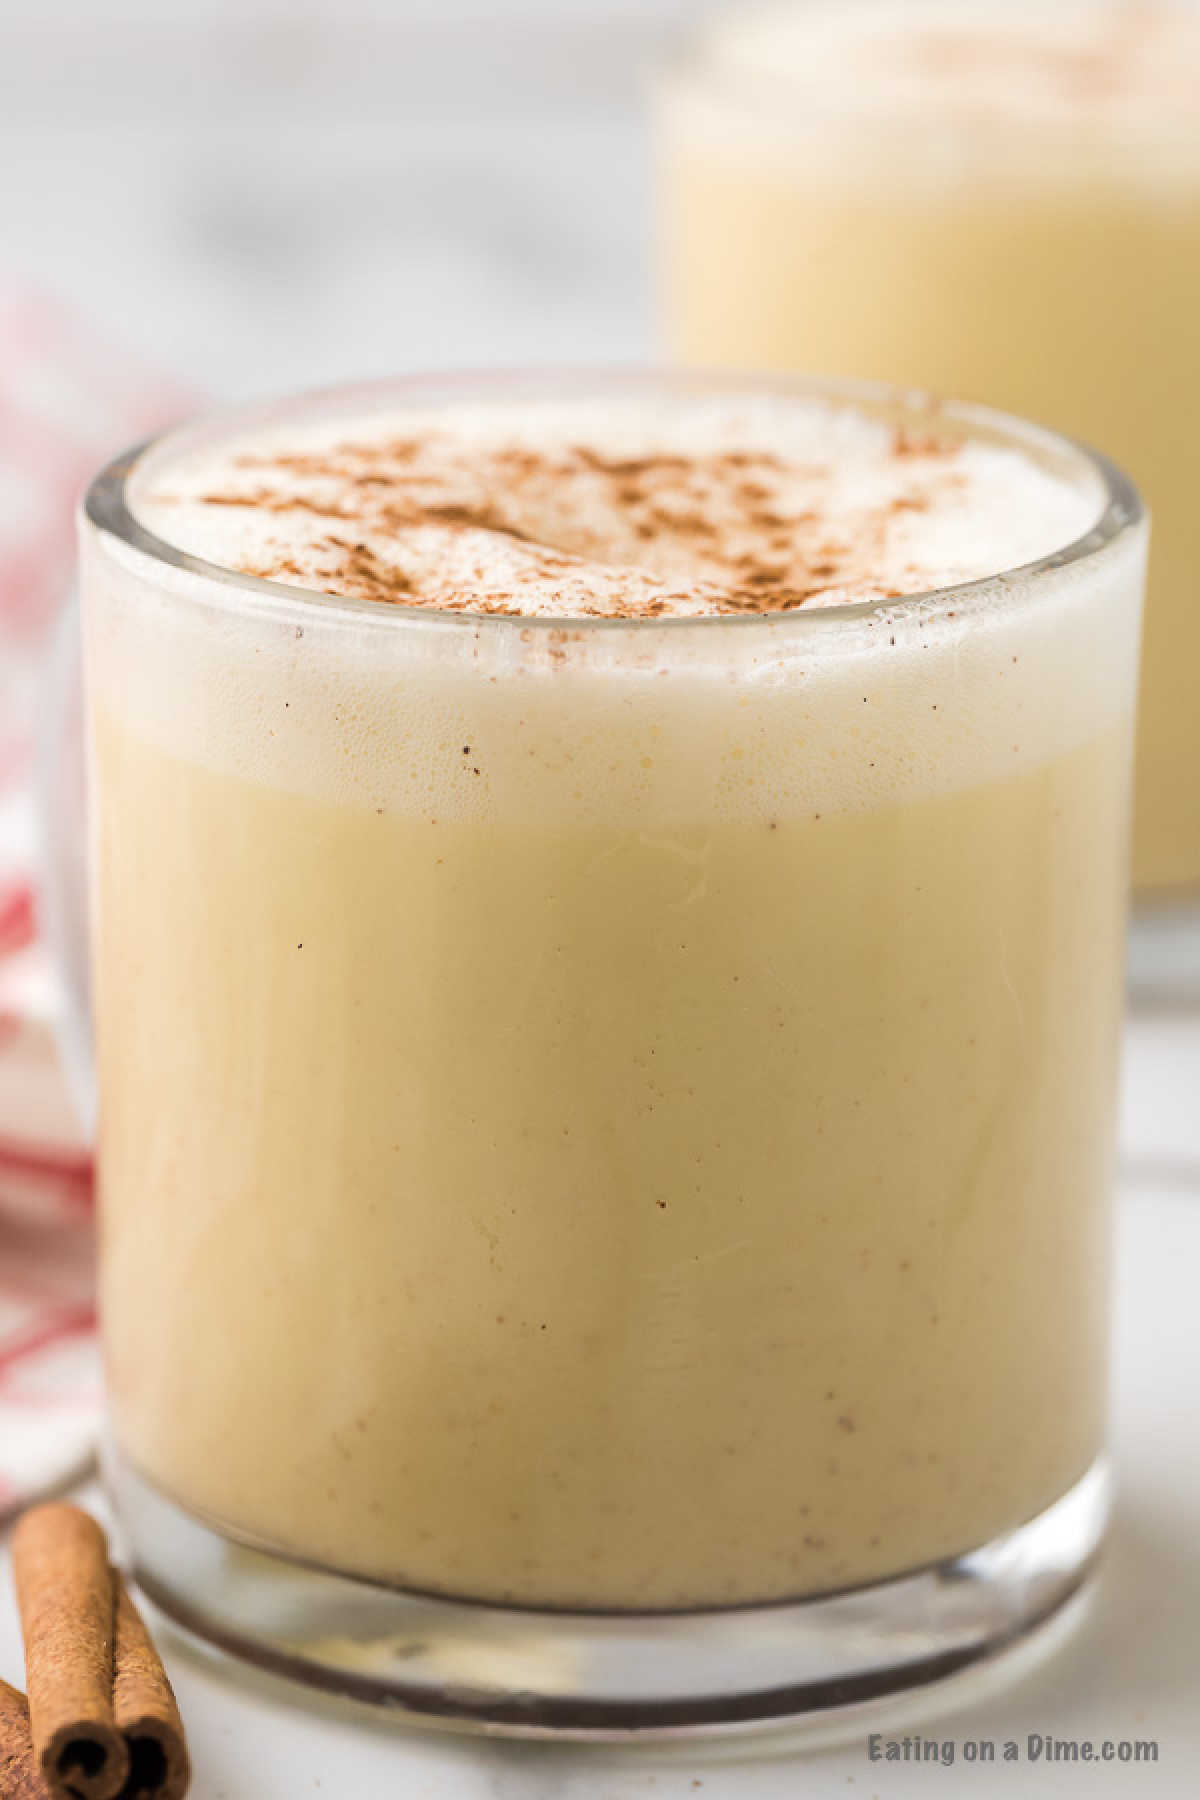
106,502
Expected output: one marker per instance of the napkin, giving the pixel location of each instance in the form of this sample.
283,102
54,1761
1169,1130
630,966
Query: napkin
68,400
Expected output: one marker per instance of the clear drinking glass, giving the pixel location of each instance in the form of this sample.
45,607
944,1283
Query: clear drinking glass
605,1126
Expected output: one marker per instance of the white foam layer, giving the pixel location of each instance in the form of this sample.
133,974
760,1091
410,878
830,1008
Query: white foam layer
659,725
1071,58
628,505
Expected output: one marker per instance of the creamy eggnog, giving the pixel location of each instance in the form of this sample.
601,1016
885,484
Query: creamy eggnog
998,200
608,984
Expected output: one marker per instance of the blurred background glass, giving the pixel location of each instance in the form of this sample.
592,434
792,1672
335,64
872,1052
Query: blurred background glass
994,198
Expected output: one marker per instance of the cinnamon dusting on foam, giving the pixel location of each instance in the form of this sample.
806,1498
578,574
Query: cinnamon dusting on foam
1075,58
1127,49
741,507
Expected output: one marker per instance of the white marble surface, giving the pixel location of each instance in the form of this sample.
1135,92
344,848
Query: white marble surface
1160,1103
1130,1667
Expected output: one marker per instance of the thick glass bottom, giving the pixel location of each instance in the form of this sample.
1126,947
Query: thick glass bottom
603,1675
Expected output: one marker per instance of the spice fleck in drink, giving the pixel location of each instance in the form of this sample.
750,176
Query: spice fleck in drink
607,996
1001,201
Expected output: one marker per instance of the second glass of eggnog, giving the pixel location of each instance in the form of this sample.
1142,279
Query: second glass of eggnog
999,200
608,905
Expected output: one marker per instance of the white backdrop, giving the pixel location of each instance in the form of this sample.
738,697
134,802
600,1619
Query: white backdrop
268,193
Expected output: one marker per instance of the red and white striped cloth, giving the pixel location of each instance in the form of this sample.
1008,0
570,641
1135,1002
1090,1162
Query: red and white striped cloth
67,401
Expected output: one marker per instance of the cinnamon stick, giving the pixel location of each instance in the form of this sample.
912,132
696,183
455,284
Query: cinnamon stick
146,1712
65,1595
20,1778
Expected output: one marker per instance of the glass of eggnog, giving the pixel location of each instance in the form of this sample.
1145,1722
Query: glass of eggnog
607,918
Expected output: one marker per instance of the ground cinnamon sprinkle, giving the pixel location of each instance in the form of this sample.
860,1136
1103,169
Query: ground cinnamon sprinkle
496,527
1120,58
907,442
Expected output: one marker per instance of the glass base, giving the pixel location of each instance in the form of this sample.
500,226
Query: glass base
524,1673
